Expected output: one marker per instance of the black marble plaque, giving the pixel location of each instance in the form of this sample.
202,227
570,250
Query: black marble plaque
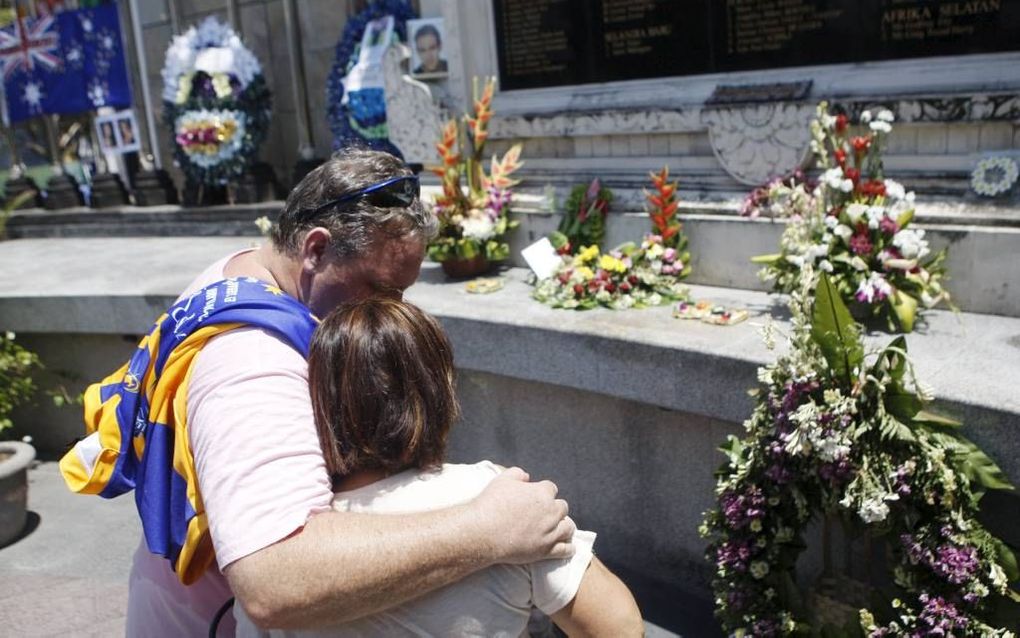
556,42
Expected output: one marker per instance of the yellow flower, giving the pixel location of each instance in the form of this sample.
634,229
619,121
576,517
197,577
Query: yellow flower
612,264
585,273
221,84
183,88
588,254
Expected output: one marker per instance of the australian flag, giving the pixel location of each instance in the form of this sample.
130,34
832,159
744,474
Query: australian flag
65,63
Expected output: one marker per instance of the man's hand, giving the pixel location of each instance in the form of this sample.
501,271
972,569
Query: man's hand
524,522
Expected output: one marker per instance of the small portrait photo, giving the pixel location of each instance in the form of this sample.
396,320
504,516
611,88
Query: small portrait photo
426,41
106,131
127,132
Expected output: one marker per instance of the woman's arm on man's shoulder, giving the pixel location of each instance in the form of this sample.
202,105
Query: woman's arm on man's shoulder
603,606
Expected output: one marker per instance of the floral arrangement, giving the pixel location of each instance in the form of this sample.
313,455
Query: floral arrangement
994,176
843,433
361,118
584,218
216,103
473,222
631,275
854,224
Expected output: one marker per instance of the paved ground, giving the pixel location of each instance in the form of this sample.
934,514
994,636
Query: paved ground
67,575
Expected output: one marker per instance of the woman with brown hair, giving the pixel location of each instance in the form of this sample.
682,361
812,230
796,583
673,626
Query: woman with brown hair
382,383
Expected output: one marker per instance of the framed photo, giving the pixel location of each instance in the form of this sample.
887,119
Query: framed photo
426,38
127,132
106,131
118,132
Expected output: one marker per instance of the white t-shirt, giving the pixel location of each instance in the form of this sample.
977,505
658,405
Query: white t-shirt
260,471
492,602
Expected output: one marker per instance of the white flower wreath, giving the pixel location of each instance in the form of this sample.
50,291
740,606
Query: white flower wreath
994,176
185,56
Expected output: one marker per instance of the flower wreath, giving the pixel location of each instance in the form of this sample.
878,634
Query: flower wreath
994,176
215,101
845,434
362,119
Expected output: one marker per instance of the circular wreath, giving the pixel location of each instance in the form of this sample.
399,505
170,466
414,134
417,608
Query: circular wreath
994,176
362,119
215,101
840,433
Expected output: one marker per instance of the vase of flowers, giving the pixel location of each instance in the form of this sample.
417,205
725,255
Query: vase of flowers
473,209
838,432
854,224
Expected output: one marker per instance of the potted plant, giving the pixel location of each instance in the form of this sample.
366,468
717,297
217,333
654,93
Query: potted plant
473,217
16,386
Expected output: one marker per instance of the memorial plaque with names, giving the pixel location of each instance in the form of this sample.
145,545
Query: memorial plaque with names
557,42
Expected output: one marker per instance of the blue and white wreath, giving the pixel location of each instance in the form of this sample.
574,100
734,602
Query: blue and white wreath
361,118
215,101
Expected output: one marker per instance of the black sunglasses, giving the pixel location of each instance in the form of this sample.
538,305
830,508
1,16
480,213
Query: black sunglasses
394,192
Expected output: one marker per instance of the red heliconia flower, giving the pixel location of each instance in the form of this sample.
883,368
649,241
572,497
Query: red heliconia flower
873,188
841,123
860,143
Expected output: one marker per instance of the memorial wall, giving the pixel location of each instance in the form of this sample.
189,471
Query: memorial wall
561,42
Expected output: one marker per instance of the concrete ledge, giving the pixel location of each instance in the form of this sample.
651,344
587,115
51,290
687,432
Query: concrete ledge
983,240
118,286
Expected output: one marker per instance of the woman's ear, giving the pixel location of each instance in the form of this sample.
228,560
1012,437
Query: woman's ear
315,248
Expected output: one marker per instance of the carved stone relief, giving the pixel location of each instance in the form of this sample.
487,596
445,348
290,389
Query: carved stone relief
754,143
967,108
412,117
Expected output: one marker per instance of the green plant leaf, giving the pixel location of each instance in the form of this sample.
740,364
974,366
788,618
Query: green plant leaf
905,308
767,260
894,429
1007,560
937,420
836,332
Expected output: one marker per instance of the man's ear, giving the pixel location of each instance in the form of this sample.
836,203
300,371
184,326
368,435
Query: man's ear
314,248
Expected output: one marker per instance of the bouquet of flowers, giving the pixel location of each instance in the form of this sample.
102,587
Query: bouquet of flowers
631,275
846,434
855,225
215,101
584,220
473,224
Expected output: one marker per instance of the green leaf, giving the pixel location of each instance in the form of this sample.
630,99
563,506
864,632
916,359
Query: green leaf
982,469
767,260
896,430
836,332
937,420
1007,560
905,308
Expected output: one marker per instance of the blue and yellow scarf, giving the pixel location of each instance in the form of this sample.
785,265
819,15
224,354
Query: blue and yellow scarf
136,418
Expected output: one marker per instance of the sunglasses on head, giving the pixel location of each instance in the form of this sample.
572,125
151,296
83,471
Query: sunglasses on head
395,192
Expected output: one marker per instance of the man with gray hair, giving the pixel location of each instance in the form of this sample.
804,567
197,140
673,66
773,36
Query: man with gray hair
354,227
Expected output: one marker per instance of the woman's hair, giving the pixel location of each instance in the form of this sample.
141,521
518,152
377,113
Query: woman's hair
381,378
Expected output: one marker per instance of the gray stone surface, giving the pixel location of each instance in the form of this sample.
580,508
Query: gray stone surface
68,575
118,286
982,241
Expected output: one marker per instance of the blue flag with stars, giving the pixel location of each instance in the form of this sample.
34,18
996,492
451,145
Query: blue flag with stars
106,77
65,63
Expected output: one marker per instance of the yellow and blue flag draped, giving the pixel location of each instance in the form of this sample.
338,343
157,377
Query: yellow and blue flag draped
136,418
